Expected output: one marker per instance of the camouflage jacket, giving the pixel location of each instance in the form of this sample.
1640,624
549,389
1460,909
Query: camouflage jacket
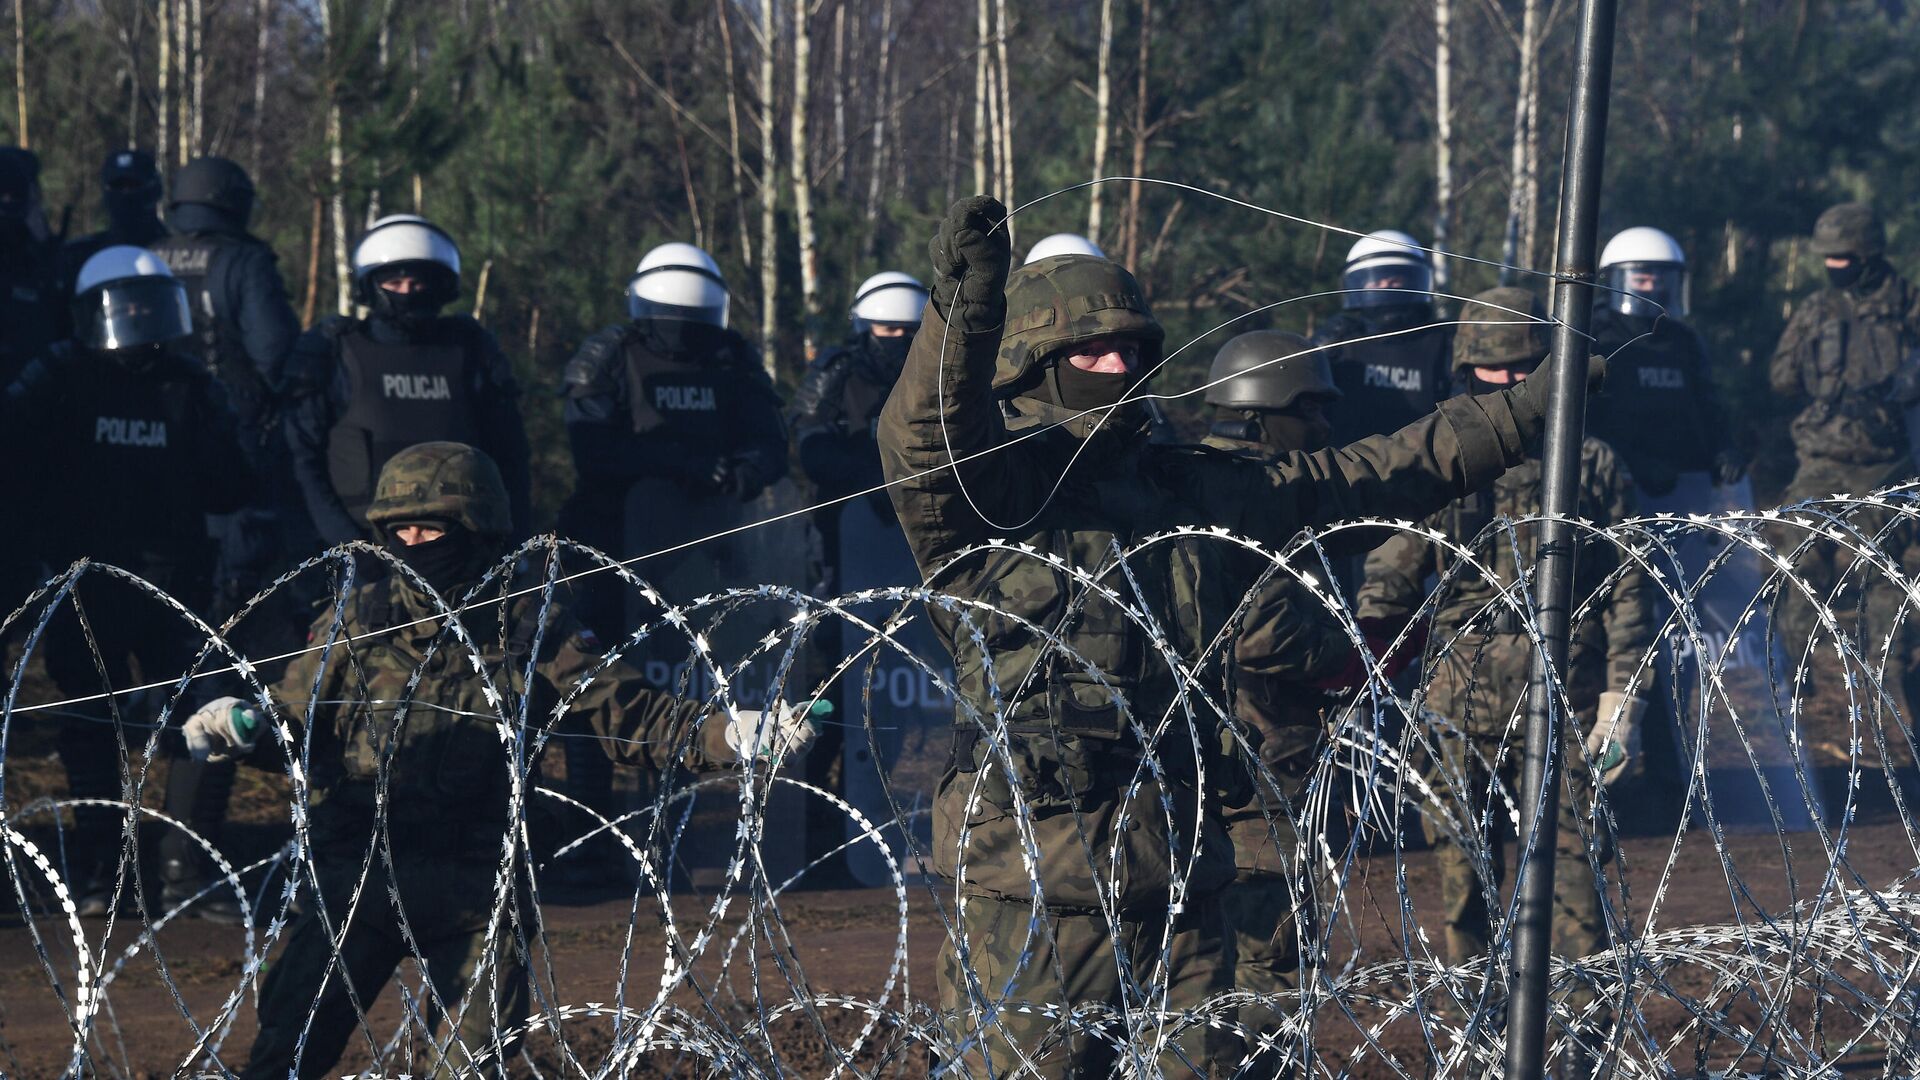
1841,353
444,759
1288,640
1074,753
1620,623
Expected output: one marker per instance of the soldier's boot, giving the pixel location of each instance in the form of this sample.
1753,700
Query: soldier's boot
602,862
197,793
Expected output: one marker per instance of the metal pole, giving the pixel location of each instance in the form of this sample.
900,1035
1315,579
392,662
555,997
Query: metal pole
1559,474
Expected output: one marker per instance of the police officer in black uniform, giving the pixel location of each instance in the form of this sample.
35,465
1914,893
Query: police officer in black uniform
675,395
1391,358
32,317
130,195
841,394
365,389
1660,411
146,447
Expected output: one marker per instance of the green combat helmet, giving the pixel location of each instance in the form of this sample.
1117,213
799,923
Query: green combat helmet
1850,229
1280,369
442,481
1492,333
1067,299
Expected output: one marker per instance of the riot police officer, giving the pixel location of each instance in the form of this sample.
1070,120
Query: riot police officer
32,317
1389,352
674,402
367,388
442,791
147,448
130,195
840,396
1660,412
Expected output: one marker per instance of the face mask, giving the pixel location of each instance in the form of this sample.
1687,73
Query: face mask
448,563
890,353
1844,277
129,210
1082,390
1287,432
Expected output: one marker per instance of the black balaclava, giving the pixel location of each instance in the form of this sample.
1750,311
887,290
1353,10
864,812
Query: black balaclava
1477,385
449,563
886,356
1860,275
1071,388
414,313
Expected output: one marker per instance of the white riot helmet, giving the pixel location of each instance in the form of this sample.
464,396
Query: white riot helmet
1386,268
1646,274
1063,243
678,281
125,297
889,299
411,243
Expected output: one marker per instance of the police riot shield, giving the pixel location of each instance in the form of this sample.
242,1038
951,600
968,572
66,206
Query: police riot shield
899,717
686,550
1749,776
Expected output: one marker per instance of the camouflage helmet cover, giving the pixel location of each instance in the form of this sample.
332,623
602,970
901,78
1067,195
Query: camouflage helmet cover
1492,332
1065,300
442,481
1850,229
1281,368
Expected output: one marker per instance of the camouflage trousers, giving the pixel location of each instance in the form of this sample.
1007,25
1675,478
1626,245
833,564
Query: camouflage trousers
1074,959
1475,775
447,904
1262,910
1866,604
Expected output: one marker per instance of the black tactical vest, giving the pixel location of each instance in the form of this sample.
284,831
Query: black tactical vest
1651,411
683,395
398,394
29,318
126,440
192,260
1388,382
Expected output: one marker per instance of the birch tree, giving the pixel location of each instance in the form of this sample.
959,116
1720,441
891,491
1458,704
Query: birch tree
1442,138
769,197
802,181
1102,120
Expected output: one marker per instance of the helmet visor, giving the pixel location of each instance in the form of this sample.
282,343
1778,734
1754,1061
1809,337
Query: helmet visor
1647,289
1386,284
132,312
713,314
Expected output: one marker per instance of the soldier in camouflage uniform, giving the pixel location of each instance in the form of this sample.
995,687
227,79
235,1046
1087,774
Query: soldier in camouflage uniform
1476,678
1849,353
1271,393
1046,357
435,748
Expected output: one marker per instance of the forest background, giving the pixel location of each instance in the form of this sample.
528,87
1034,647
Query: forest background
809,143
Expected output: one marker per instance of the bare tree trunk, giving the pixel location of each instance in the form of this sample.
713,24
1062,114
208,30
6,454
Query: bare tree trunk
197,25
383,57
313,265
263,24
769,197
20,70
336,169
953,150
1442,137
1523,189
163,116
980,104
880,131
1732,247
840,90
183,112
736,167
1102,118
1005,84
1139,137
803,180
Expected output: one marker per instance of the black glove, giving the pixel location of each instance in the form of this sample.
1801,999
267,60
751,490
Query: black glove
736,477
1529,400
1729,467
971,252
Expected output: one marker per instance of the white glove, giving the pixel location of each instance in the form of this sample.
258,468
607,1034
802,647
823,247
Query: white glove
222,729
771,734
1614,742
